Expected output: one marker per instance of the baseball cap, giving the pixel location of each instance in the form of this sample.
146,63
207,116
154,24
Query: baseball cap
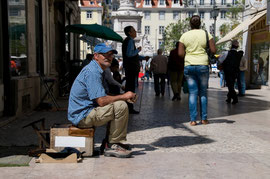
103,48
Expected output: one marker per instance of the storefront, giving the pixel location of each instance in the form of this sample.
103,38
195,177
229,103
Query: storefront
32,44
260,43
17,38
1,65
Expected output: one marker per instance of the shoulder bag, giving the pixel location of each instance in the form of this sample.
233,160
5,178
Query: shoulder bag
211,58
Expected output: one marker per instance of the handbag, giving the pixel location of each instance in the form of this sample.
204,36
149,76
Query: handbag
185,86
211,58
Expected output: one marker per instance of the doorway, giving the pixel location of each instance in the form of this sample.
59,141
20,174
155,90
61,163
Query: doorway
1,66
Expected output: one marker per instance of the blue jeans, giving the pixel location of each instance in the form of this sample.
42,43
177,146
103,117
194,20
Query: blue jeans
147,75
222,79
241,82
197,78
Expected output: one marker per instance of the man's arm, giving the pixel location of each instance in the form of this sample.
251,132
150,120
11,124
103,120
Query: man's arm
131,51
105,100
109,78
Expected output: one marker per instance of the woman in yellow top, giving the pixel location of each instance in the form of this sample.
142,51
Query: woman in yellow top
192,47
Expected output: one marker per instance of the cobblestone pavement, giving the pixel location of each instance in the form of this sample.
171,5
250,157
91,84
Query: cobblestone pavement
236,143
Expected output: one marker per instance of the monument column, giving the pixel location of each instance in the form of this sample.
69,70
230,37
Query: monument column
126,15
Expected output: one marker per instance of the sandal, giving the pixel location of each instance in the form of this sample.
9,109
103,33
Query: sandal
205,121
193,123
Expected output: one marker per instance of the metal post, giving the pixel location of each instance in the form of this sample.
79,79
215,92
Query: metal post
156,41
215,14
197,9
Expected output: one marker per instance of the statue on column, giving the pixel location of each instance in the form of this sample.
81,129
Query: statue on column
126,2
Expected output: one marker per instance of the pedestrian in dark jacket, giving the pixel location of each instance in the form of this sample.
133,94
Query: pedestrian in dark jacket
231,69
176,72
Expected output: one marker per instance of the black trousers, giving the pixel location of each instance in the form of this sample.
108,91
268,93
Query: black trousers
131,77
159,81
230,78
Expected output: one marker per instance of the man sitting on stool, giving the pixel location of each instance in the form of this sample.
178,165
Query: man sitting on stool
90,106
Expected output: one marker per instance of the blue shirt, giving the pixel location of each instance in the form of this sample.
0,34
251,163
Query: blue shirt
131,50
86,88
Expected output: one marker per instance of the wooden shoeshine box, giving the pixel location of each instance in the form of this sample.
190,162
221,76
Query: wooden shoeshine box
81,139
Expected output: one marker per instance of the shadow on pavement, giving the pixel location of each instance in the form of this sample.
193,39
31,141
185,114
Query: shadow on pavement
15,150
222,121
181,141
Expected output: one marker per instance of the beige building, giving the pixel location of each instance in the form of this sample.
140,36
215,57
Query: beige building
160,13
91,13
37,45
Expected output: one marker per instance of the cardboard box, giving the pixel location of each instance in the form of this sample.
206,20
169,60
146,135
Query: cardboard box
60,138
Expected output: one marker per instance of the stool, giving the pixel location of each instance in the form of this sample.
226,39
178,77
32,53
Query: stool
48,84
42,133
66,135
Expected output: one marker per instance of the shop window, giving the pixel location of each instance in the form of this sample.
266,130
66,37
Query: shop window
17,38
260,63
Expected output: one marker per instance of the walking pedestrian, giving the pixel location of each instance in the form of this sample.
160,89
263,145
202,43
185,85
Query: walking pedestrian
176,72
230,63
192,47
241,82
159,68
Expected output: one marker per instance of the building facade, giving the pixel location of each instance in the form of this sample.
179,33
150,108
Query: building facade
160,13
34,43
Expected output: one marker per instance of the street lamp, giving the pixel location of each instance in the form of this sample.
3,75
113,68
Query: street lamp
215,12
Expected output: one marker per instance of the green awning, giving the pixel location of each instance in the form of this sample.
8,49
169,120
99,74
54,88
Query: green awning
94,30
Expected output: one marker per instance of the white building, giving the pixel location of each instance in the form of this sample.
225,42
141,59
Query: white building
160,13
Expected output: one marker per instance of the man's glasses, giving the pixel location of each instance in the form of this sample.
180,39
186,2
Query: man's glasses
106,55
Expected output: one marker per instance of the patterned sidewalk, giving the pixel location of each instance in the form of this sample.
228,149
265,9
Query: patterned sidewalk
236,143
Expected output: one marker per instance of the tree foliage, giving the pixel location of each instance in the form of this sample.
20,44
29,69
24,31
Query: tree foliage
235,15
173,33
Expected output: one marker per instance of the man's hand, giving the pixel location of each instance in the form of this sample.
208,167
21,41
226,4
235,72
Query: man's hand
139,48
132,97
129,95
